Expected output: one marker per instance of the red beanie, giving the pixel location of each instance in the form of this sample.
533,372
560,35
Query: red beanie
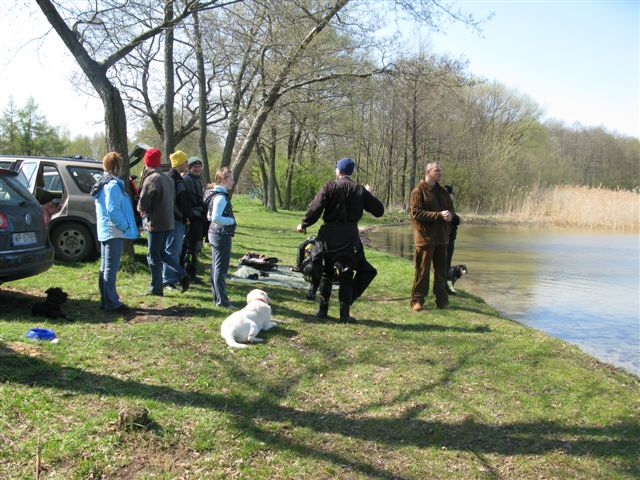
152,158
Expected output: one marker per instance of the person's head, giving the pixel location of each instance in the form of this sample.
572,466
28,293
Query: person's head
432,173
152,158
178,160
345,167
224,178
195,166
112,163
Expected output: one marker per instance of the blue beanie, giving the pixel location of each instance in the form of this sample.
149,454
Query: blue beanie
346,166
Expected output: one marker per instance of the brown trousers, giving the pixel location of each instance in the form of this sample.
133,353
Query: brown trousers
424,257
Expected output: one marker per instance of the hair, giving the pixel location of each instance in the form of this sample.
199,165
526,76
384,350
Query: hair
429,166
112,163
222,175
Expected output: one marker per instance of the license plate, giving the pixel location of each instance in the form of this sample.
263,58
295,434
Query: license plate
23,238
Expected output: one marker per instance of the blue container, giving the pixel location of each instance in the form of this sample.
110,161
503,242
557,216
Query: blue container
40,334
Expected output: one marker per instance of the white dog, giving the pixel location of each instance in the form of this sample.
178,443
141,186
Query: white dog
241,327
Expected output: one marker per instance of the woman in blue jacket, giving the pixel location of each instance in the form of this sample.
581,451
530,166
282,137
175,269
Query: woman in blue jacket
115,223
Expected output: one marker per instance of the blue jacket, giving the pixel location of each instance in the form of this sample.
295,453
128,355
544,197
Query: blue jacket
114,212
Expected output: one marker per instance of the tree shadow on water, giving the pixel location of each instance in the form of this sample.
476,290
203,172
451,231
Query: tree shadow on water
619,440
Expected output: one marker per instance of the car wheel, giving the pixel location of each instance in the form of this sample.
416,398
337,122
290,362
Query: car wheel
72,242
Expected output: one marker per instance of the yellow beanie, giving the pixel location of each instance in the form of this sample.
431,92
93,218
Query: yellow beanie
177,158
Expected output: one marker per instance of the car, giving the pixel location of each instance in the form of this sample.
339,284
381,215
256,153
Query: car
67,180
25,249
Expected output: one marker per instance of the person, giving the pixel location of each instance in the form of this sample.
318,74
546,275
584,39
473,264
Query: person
341,203
156,206
115,222
181,212
431,212
220,234
453,232
197,217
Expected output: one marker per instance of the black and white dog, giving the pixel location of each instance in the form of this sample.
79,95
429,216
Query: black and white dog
454,273
51,306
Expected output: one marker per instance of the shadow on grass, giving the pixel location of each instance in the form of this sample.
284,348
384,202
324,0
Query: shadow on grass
16,306
424,327
617,441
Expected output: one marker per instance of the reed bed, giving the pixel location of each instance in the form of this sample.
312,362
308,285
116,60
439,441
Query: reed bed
573,205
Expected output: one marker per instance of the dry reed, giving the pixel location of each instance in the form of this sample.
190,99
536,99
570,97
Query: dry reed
576,206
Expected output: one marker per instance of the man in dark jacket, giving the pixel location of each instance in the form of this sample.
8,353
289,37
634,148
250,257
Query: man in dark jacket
341,203
181,211
431,211
197,217
156,206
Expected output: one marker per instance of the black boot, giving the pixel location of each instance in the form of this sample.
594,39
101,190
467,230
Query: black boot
344,313
323,310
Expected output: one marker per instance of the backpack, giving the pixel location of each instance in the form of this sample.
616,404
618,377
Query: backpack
259,262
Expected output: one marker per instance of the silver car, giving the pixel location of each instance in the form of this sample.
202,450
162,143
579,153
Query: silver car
66,180
25,249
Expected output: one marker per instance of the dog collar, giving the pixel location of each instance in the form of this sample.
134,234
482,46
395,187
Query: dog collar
260,300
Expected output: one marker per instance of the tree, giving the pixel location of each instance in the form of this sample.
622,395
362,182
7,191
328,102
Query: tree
24,131
111,28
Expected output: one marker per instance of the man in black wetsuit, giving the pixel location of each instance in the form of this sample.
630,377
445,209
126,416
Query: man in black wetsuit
341,203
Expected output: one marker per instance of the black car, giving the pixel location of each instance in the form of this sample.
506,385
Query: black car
25,249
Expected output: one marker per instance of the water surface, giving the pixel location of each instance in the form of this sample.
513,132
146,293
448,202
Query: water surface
580,286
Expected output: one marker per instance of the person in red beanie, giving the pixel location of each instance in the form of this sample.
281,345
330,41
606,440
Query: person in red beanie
156,206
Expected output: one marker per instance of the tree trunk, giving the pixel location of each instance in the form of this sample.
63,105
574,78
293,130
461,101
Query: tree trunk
260,151
272,168
292,156
202,100
169,88
414,138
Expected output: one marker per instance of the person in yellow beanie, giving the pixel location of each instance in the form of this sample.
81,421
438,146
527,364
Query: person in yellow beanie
175,239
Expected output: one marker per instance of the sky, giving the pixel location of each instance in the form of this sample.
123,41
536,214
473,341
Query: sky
579,60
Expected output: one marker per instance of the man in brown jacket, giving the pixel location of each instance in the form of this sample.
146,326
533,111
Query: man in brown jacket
431,212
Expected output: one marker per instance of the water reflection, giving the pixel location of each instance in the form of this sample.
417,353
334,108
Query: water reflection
581,286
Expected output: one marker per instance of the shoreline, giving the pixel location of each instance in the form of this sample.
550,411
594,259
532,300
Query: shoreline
510,220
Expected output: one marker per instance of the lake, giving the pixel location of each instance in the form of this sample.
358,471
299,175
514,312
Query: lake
580,286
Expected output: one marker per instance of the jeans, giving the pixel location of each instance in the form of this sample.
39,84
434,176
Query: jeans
174,247
110,253
220,258
157,255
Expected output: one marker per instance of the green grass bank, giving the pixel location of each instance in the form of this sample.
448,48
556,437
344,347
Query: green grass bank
462,393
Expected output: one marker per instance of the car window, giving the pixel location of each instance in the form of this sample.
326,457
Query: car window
85,177
51,179
11,194
27,174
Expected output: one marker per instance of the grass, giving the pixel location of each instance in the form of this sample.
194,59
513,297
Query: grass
461,393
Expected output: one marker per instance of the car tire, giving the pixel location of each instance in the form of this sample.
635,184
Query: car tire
72,242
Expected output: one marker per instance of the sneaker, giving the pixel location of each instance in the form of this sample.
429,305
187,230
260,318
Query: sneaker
416,307
121,309
171,286
229,306
151,293
184,283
